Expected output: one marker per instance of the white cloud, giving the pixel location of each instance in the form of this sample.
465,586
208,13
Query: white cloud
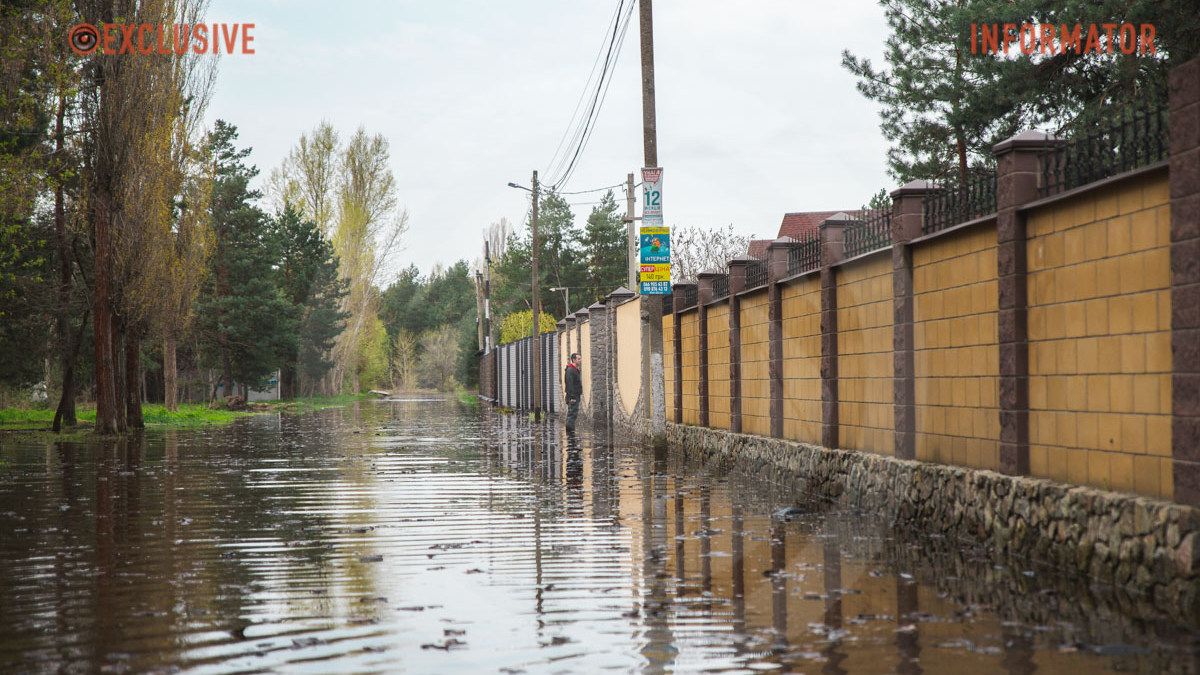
756,117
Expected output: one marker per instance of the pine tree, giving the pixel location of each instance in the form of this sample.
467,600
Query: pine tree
605,249
309,280
244,319
945,107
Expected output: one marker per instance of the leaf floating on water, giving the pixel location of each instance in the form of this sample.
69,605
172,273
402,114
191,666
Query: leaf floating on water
449,644
299,643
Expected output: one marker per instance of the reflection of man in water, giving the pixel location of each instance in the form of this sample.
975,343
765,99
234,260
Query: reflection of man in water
573,389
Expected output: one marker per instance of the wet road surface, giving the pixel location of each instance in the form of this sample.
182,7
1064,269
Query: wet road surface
422,536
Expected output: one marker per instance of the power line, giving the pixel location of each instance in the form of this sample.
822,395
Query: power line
598,102
580,130
599,189
586,87
585,131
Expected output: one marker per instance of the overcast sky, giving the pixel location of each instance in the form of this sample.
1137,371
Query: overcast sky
756,116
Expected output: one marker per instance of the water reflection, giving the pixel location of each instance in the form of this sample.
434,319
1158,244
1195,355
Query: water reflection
423,536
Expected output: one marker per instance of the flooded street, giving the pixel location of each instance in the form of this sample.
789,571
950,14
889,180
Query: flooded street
424,536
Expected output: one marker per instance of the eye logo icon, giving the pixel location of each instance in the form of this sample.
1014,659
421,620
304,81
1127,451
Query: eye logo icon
83,38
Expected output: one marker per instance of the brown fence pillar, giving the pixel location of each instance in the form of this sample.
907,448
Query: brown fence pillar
1185,279
777,269
833,249
738,267
679,292
1018,169
704,281
907,216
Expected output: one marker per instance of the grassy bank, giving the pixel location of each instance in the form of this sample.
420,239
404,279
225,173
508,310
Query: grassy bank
467,398
156,416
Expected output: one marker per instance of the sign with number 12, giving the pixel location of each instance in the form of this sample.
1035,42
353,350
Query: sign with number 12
655,277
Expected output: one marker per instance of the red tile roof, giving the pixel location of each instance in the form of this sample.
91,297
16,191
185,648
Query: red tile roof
796,225
758,248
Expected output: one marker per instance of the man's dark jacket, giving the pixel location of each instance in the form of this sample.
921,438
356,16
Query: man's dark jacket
574,383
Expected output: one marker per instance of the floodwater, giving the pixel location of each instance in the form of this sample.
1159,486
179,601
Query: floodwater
422,536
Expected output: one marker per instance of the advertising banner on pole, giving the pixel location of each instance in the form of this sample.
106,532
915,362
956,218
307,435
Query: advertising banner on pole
654,237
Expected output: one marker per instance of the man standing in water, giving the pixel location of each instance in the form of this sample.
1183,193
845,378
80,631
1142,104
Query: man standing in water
573,389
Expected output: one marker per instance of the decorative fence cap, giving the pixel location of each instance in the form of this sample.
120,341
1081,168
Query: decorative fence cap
912,187
710,273
621,293
839,218
597,306
744,260
782,241
1027,139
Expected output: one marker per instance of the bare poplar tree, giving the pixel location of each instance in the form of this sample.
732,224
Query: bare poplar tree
696,249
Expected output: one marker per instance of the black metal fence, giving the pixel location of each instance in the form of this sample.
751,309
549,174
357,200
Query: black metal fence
805,256
720,287
1134,137
690,296
756,275
960,201
872,232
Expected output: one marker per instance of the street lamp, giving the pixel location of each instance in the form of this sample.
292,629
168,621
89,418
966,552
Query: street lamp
535,373
566,298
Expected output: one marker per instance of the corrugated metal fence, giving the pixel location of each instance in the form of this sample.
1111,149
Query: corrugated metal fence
511,383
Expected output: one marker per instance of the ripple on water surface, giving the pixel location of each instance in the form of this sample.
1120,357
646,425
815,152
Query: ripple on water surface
423,536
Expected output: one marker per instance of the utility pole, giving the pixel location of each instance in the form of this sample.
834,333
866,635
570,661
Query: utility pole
535,370
652,369
631,235
649,123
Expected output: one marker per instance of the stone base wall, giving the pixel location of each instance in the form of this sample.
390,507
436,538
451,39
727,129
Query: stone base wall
1145,545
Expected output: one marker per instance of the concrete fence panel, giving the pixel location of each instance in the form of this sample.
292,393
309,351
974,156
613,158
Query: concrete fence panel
1100,338
718,365
864,347
956,349
802,359
756,380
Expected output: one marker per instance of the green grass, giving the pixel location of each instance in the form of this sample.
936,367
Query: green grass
467,398
38,420
188,415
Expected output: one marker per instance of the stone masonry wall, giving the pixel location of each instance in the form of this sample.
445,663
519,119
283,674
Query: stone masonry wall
1149,546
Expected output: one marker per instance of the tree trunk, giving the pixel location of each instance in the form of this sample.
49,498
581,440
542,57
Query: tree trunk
170,373
102,321
287,381
227,378
133,382
65,413
118,352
